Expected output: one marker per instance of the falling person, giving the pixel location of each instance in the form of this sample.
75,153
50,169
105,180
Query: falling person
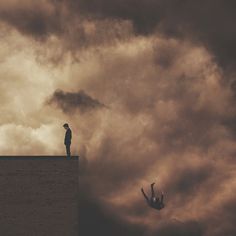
154,201
67,140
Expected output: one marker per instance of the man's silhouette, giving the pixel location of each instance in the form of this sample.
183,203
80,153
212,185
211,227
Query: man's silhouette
154,201
67,140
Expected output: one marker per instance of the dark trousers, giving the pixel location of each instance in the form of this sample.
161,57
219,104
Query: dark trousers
68,150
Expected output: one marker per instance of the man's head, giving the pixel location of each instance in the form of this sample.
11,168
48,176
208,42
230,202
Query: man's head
66,126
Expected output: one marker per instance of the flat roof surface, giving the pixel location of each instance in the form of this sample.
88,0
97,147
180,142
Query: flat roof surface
42,157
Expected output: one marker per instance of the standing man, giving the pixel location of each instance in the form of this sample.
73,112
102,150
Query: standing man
67,141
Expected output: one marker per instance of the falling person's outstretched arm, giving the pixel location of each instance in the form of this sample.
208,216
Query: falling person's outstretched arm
144,194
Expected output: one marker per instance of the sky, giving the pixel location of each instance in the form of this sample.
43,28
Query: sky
148,88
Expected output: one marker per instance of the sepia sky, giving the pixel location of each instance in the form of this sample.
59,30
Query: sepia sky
148,88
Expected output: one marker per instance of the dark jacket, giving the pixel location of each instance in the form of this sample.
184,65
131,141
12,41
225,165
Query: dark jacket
157,203
68,137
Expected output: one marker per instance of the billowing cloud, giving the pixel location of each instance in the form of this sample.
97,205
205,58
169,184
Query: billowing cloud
82,22
38,19
172,106
210,21
70,102
168,127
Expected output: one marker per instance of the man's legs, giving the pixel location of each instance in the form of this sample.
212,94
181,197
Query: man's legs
68,150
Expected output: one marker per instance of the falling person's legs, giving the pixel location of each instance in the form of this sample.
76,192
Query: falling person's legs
154,199
152,190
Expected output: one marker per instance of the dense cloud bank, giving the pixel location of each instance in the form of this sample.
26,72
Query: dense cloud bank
69,102
83,22
148,89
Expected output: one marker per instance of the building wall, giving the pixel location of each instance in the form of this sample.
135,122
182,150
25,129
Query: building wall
38,197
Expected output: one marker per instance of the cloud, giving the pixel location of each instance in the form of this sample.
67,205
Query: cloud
81,23
70,102
206,22
179,229
38,19
104,223
165,128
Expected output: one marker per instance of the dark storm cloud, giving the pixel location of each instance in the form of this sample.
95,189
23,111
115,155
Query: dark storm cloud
94,219
137,11
210,22
186,180
64,20
37,19
182,102
229,209
177,228
92,212
69,102
109,168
